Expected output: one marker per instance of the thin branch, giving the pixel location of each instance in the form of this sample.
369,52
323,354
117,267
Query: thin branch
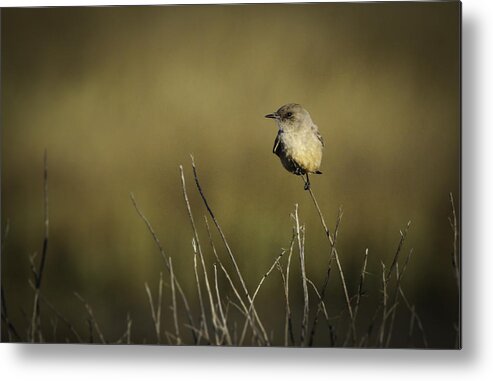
327,276
38,274
288,323
411,326
173,296
338,262
92,320
46,223
322,308
220,309
165,259
384,312
416,317
300,238
215,318
198,249
203,330
128,332
156,311
125,338
276,261
230,252
455,229
11,331
399,248
361,282
58,314
10,327
245,313
399,275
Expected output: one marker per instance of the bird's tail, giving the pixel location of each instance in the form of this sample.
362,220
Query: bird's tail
318,172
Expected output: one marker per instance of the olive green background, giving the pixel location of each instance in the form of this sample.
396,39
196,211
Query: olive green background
120,97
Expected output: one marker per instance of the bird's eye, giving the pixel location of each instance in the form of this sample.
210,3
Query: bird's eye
289,114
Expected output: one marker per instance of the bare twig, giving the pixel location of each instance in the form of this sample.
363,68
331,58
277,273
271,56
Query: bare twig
385,283
128,332
10,327
173,298
224,324
411,326
244,308
204,331
46,223
288,323
58,314
215,318
92,320
327,277
346,294
129,329
397,252
300,238
361,282
321,307
359,294
366,338
156,311
54,325
38,274
384,312
455,262
415,318
276,261
198,249
125,338
395,298
455,229
218,227
11,331
230,252
333,251
165,259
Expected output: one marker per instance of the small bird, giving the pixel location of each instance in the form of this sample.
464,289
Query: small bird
298,142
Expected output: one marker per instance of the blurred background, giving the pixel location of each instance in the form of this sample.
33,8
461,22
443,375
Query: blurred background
121,96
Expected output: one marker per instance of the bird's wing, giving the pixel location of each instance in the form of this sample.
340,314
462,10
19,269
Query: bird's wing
317,133
277,144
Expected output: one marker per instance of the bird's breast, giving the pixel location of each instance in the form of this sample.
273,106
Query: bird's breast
304,148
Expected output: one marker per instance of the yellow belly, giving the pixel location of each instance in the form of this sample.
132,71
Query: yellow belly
306,151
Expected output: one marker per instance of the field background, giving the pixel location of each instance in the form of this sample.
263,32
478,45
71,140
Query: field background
120,97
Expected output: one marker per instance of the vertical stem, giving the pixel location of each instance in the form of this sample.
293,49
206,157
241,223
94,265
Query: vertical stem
166,263
455,261
173,296
265,337
306,302
338,262
38,275
384,312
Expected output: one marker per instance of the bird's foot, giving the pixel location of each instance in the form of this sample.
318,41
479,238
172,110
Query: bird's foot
307,182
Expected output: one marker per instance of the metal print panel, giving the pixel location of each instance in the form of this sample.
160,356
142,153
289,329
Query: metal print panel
237,175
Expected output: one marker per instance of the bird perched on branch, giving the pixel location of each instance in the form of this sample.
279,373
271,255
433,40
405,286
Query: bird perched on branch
298,142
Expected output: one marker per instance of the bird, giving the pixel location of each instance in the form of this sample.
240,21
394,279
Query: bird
298,143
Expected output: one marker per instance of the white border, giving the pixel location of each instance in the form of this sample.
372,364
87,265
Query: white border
77,362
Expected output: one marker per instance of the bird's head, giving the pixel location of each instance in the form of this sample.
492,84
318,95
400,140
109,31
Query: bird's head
291,115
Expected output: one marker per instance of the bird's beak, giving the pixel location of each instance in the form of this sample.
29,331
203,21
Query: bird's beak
274,115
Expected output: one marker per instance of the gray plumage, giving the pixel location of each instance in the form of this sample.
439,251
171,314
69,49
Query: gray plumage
298,142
